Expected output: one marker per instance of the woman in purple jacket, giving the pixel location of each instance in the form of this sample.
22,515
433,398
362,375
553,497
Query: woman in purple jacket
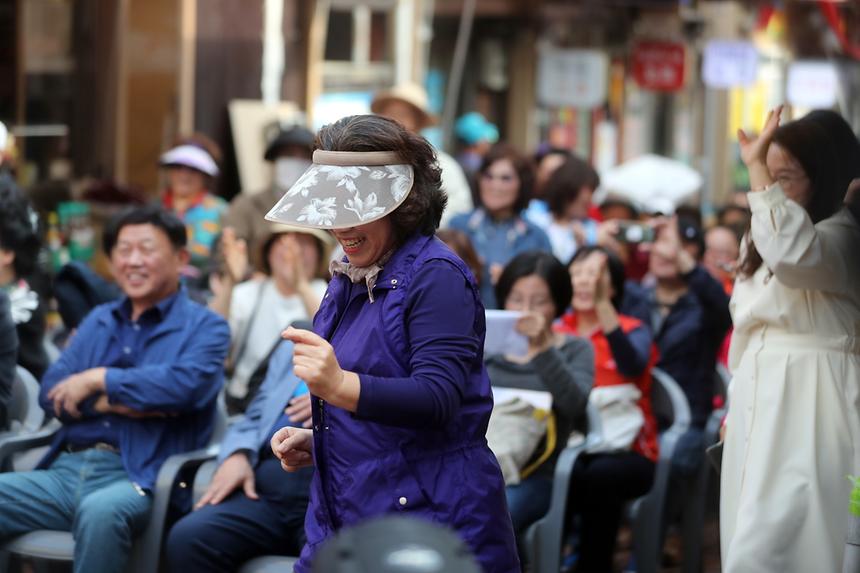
401,398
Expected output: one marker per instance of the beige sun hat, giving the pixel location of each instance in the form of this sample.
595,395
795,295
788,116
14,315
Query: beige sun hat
410,93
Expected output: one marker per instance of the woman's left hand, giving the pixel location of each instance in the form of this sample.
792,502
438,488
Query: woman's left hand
314,362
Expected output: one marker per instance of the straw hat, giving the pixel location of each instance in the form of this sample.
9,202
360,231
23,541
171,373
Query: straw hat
410,93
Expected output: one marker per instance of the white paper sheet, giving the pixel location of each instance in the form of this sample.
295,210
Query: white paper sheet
537,398
502,336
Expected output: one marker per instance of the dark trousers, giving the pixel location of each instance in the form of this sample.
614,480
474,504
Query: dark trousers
222,537
601,485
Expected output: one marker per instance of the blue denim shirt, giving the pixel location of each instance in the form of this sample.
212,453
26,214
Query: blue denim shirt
497,242
178,370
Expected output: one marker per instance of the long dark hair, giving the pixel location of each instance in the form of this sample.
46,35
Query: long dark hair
821,159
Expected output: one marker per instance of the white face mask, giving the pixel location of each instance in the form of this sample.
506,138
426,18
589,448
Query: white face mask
288,170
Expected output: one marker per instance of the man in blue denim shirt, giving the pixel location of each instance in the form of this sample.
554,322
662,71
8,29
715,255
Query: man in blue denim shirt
137,384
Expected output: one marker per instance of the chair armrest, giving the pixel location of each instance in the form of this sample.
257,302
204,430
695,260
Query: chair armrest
148,551
543,538
13,443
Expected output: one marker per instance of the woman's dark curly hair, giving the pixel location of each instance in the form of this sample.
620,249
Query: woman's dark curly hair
18,228
422,209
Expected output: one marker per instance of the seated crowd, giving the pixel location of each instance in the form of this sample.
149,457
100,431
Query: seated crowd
139,377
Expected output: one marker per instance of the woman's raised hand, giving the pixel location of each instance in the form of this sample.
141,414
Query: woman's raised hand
533,326
602,284
754,149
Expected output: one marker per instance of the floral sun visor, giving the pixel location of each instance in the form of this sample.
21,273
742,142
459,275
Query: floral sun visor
345,189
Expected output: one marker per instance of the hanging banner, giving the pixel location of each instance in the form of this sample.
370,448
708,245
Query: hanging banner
729,64
659,66
572,78
812,84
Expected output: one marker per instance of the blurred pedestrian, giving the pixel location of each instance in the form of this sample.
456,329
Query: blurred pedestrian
293,261
407,104
539,287
19,252
289,154
568,194
191,168
496,228
8,358
476,135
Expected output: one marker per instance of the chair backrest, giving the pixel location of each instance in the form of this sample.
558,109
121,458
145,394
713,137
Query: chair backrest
669,402
221,421
722,378
25,414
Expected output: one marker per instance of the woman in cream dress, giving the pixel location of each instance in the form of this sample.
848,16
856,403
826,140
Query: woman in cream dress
793,429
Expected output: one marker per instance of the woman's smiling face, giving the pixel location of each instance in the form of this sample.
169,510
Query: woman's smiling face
366,244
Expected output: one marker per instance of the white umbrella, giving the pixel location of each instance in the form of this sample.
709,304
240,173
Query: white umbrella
651,183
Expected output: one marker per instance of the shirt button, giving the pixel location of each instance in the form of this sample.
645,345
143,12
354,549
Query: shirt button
107,424
394,281
322,401
402,501
136,326
127,350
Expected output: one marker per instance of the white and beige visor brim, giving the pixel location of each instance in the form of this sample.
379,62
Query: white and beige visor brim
344,189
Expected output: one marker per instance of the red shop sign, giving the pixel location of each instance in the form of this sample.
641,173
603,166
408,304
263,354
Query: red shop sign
659,66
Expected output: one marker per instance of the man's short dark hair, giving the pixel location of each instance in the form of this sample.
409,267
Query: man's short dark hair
154,215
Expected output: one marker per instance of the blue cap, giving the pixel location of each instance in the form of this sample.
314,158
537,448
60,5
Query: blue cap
472,128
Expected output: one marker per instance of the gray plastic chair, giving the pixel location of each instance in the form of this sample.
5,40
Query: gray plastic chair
670,407
262,564
544,537
25,414
146,551
25,418
693,513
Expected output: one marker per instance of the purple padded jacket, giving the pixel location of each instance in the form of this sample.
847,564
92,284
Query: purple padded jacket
416,444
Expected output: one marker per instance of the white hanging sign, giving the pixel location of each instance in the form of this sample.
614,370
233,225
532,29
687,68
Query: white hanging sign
812,84
729,64
572,78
